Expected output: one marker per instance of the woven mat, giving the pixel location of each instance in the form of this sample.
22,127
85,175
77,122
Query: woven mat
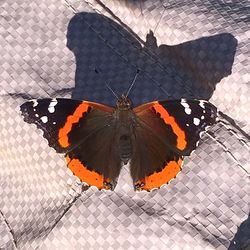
191,49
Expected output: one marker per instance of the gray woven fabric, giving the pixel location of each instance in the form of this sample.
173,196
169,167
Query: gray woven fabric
192,49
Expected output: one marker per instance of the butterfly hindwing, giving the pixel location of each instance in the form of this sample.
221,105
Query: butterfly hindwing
97,151
153,162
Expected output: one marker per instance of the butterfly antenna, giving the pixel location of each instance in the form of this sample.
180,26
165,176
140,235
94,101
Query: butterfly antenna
112,91
133,83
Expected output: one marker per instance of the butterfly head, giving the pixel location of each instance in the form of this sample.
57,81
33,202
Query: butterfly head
123,103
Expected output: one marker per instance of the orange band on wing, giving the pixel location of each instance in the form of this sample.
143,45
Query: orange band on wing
181,139
90,177
157,179
74,118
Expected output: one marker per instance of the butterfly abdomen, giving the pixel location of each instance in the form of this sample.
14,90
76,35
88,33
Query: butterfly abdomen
124,125
125,147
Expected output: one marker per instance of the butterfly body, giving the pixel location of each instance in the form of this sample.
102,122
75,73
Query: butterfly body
125,122
98,140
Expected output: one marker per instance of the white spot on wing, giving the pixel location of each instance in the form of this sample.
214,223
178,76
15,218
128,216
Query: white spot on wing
44,119
201,103
54,123
188,111
35,103
202,117
196,121
186,106
52,105
51,109
36,115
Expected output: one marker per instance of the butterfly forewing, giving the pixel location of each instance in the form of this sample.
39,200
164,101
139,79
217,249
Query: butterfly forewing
178,122
50,115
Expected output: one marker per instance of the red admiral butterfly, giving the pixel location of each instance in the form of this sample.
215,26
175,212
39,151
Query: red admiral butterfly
97,140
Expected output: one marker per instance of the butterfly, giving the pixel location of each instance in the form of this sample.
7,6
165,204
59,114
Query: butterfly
97,140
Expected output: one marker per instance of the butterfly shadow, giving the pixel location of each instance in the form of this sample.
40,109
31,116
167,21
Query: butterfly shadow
108,53
241,239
